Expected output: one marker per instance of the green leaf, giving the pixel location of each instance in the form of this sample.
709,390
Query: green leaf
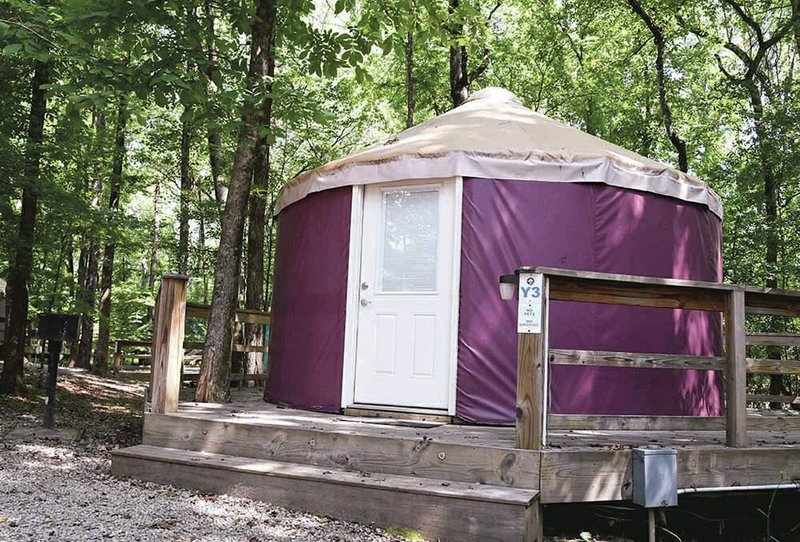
12,48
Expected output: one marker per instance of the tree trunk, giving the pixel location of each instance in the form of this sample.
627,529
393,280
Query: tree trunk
89,283
666,112
79,296
409,80
187,189
214,381
201,255
104,332
270,254
770,188
60,261
20,272
71,266
459,82
254,289
796,27
82,360
153,260
216,158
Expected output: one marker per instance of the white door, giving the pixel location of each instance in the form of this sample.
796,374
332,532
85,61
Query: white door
404,336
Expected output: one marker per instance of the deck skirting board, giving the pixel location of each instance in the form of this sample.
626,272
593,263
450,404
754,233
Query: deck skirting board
605,475
423,456
448,511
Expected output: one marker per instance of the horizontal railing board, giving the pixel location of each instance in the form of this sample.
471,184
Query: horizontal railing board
635,360
647,296
250,348
766,398
596,422
773,339
618,289
773,366
771,301
247,316
188,345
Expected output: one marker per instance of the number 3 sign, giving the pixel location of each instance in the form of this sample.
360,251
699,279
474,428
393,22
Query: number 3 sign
529,310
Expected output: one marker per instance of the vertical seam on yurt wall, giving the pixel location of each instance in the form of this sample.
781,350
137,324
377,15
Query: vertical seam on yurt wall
455,293
353,292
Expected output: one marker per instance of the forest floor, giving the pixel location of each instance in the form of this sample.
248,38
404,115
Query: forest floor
56,484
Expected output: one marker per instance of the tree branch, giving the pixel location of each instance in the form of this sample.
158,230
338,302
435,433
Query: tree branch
666,112
749,21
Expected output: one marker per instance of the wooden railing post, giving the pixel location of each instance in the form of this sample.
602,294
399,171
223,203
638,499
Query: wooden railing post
735,371
167,349
531,411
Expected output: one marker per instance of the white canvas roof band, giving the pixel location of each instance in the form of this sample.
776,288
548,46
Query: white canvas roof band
492,135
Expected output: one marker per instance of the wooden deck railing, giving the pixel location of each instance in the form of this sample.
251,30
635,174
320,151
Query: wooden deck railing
535,356
167,348
141,350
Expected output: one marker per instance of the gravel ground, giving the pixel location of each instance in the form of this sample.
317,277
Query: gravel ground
56,485
53,491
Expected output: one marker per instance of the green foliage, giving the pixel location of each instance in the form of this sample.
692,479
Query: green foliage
340,84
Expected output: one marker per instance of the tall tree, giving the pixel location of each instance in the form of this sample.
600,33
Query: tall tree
409,79
461,77
254,287
88,286
20,272
214,378
107,276
754,79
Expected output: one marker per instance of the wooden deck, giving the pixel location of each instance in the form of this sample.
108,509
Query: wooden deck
256,449
465,482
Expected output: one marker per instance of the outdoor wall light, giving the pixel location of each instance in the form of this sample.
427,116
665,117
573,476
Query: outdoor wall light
508,285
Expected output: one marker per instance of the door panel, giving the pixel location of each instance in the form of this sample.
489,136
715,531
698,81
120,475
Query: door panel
403,350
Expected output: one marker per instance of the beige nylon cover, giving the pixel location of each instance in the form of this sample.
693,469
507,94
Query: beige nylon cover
493,135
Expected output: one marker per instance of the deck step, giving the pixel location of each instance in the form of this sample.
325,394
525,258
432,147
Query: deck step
348,446
446,510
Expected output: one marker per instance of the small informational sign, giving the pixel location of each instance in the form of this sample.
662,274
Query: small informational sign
529,311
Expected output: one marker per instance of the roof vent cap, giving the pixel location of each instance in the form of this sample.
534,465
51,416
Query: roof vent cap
494,94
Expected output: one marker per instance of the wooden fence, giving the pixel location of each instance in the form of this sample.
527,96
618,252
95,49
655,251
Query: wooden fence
535,356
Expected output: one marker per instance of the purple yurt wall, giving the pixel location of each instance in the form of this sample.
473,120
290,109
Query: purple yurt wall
308,304
591,227
535,192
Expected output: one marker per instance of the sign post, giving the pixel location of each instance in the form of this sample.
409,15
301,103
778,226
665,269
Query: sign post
531,411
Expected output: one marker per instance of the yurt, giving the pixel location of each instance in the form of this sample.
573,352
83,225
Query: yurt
387,265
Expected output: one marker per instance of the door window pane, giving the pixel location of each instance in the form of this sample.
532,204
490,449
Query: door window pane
410,240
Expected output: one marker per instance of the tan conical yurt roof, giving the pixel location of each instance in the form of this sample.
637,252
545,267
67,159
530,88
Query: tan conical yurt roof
493,135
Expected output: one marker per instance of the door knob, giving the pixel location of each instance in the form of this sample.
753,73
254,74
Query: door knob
365,302
364,285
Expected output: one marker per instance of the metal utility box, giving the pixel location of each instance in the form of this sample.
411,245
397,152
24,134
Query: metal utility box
58,327
655,477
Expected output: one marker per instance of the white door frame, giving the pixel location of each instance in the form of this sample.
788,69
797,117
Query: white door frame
354,293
